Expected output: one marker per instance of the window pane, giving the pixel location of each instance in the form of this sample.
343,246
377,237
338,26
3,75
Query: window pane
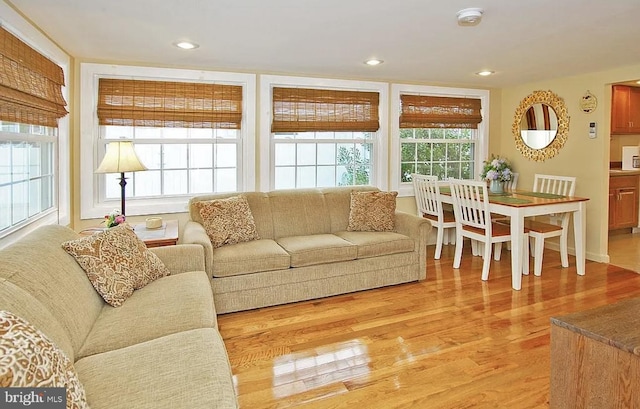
226,155
201,181
175,156
406,170
285,154
306,154
5,163
149,155
306,177
20,161
285,177
147,183
174,182
226,180
326,154
201,156
20,205
408,152
5,207
35,197
326,176
119,132
147,132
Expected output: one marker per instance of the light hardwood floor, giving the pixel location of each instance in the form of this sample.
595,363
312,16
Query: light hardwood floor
624,250
451,341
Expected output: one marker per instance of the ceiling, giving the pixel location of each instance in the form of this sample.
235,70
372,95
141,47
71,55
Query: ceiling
419,40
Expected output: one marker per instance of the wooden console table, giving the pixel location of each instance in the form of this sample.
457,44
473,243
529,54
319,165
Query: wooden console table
595,357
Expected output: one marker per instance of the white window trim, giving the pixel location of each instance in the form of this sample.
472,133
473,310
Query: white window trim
90,207
21,28
406,189
268,82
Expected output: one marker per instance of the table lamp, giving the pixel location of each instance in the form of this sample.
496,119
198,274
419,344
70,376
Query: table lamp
120,158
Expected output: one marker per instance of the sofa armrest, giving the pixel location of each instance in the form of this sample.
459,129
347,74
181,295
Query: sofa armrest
418,229
181,258
194,233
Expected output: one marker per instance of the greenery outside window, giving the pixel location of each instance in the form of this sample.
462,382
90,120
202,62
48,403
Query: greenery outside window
323,135
437,131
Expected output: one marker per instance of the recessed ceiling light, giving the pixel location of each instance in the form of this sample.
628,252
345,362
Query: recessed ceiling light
373,61
485,73
186,45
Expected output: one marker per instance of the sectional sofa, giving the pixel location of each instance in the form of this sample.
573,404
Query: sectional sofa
302,248
160,349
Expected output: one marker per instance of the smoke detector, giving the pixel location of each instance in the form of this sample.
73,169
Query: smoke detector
470,16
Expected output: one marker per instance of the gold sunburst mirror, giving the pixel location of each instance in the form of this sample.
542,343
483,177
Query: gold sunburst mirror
540,125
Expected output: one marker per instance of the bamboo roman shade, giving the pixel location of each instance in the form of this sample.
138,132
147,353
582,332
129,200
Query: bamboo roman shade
169,104
30,84
305,109
421,111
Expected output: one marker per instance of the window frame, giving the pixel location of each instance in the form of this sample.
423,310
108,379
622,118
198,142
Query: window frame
90,204
267,142
406,188
61,211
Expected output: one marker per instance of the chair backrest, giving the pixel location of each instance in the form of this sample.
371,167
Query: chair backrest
471,203
559,185
427,194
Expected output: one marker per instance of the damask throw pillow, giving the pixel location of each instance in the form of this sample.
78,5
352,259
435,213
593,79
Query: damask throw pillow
228,221
117,262
372,211
28,358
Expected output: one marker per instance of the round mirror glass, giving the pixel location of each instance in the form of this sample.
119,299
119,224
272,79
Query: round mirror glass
538,126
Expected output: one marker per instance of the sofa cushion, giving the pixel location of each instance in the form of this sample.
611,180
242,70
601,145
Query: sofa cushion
116,262
64,290
372,211
317,249
372,244
228,221
186,370
29,359
299,212
171,304
249,257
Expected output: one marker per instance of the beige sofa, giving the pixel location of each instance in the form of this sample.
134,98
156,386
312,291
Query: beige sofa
160,349
305,251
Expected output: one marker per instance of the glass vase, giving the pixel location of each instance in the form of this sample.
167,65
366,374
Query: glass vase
496,187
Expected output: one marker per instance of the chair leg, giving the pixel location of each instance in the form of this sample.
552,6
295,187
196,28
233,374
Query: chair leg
525,256
458,253
439,237
564,252
497,251
487,261
537,256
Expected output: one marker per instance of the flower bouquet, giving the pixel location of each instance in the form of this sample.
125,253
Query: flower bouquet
497,168
114,218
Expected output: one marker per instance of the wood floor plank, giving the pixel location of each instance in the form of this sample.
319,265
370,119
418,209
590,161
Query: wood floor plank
450,341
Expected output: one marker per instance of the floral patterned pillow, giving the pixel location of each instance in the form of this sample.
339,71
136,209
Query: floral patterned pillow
372,211
29,359
228,221
117,262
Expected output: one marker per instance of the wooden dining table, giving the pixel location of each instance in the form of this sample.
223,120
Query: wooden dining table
518,204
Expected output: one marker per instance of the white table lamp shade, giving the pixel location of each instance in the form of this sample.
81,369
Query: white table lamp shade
119,158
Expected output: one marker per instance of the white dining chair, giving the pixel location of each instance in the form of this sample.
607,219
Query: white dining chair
471,208
557,226
429,205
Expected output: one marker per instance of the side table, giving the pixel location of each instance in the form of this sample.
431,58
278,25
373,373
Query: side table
167,235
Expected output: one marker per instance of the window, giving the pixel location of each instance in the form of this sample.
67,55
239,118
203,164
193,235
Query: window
437,131
192,136
322,133
32,106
